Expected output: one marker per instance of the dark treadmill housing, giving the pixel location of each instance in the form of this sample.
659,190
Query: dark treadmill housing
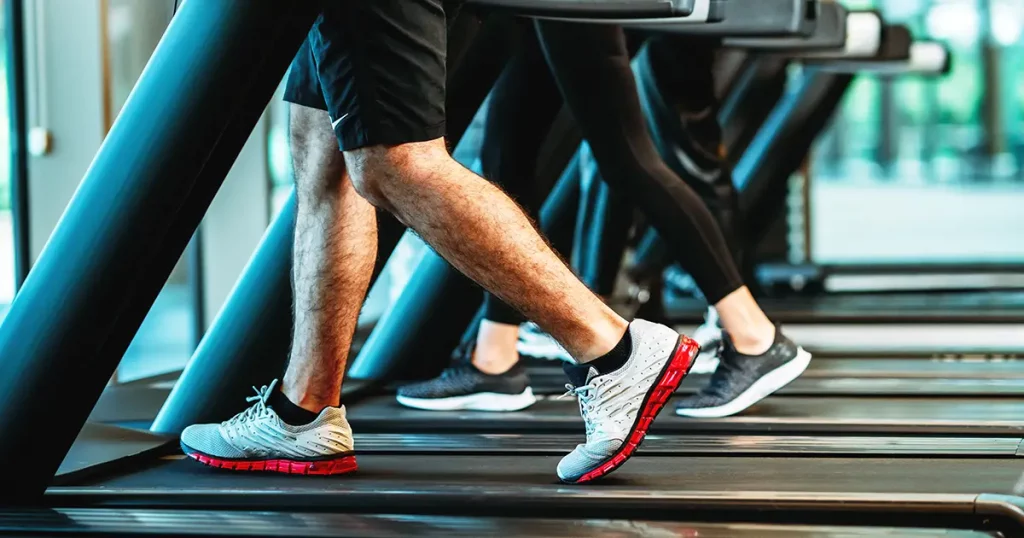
829,33
617,9
751,18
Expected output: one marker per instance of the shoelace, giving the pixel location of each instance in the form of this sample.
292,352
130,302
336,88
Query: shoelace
594,411
258,410
587,397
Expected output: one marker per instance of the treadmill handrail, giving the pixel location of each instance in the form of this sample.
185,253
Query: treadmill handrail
760,18
927,58
601,9
830,33
701,14
863,38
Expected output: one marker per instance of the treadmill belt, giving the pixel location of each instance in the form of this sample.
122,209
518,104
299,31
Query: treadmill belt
384,481
855,377
697,445
1004,307
849,416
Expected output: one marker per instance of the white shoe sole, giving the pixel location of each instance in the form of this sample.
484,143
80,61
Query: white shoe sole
483,401
761,389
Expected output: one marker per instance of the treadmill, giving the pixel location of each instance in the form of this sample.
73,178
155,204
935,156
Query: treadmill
72,350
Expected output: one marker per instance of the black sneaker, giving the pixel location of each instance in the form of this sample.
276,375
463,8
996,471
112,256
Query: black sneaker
461,387
743,380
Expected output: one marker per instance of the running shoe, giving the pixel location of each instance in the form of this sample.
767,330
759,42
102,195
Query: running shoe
743,380
619,406
462,387
258,440
534,342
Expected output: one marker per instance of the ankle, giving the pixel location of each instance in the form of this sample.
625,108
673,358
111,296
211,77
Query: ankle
495,352
751,331
289,411
754,340
301,396
603,339
495,363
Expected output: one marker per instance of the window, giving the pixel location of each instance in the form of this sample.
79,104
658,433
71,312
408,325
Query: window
167,337
7,251
941,164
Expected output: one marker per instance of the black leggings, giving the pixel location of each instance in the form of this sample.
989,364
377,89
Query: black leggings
520,112
678,74
591,65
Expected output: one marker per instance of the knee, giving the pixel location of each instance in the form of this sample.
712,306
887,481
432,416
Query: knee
378,172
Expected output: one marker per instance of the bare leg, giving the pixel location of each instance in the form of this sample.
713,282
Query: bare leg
747,325
484,234
495,351
335,246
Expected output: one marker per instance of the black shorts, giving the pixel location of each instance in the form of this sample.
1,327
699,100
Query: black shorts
378,68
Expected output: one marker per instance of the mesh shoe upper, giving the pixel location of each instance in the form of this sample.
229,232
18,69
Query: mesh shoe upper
259,433
462,378
738,372
610,403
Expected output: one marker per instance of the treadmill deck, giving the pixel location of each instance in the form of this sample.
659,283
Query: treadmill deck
775,415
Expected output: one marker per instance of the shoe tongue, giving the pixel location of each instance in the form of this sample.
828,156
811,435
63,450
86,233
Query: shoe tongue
579,374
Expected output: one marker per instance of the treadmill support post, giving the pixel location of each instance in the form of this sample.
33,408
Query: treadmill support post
202,92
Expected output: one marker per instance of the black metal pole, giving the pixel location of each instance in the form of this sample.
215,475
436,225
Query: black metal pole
17,132
199,97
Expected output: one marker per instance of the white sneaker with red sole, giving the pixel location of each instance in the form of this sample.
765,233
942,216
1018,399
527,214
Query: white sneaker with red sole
258,440
618,407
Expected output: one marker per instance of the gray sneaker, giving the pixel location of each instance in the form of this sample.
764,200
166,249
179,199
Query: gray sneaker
618,407
743,380
258,440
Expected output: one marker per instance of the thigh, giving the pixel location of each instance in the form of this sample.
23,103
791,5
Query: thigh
520,112
381,67
591,64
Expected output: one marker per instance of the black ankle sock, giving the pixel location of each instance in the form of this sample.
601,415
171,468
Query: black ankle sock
609,362
616,358
290,413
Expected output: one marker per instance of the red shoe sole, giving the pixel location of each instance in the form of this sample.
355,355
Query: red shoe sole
676,369
342,465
